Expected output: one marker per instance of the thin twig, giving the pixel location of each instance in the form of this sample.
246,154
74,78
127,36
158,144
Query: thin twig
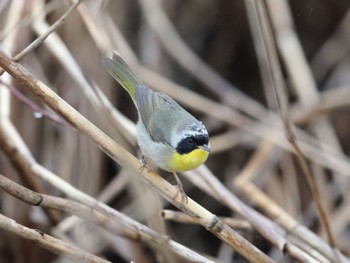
49,7
38,111
37,42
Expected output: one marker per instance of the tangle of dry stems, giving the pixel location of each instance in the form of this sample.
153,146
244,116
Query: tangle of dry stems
282,230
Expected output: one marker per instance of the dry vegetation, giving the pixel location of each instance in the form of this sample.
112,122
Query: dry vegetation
268,78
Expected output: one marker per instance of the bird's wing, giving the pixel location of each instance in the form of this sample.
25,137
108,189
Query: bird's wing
159,113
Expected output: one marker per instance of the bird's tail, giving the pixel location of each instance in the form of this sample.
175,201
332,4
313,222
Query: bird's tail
122,73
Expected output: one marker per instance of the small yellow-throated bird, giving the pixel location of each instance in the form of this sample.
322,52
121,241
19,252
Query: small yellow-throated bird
167,134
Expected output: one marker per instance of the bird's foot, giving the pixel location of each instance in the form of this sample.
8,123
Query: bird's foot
180,190
144,165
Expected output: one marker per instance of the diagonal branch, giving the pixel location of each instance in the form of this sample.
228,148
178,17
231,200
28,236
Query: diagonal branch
210,221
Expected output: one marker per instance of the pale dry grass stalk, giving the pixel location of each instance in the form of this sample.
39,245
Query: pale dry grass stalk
268,229
266,180
36,236
297,234
94,214
48,242
180,217
23,160
283,105
12,19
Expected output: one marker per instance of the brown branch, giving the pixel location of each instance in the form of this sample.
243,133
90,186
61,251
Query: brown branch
244,184
116,225
268,229
48,242
36,236
203,216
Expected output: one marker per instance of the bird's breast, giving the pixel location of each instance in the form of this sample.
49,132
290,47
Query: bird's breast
188,161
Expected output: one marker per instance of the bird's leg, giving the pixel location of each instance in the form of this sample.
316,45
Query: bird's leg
144,164
184,198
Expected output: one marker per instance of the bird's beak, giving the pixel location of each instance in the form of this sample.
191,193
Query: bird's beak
204,148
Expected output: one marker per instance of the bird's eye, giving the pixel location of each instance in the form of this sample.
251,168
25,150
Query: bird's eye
190,141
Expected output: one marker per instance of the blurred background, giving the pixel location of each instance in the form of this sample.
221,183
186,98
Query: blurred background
214,50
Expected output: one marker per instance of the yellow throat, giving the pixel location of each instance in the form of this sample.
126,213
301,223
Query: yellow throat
188,161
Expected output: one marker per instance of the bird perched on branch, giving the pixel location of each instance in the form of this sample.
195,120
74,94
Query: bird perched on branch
167,134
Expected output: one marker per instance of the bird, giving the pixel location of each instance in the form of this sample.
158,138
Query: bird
168,135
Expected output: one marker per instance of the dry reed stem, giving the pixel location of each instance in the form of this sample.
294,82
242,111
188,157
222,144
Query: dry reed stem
302,79
36,236
60,50
12,19
185,219
300,74
98,34
331,100
295,231
204,217
91,214
48,242
282,100
92,92
268,229
24,160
